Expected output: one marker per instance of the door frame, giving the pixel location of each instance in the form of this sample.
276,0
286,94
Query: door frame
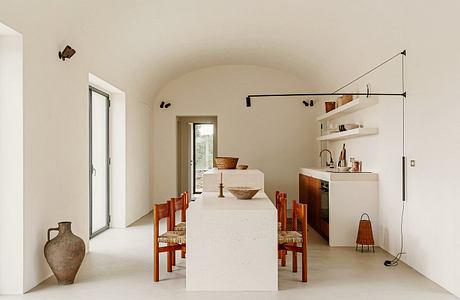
194,150
180,139
107,96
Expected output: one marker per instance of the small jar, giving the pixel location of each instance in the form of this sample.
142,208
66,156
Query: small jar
356,166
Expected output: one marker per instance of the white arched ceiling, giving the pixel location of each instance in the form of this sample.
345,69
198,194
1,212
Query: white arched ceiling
153,42
318,41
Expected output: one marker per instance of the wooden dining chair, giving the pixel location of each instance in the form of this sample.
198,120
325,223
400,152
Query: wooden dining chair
281,207
174,240
179,204
289,240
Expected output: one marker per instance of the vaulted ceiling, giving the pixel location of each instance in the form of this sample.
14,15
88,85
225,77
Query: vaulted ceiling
152,42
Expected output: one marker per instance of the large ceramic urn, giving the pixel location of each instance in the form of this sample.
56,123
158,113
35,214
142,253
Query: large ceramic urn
64,253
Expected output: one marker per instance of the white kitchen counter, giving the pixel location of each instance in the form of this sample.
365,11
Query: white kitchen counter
251,177
232,244
326,175
350,195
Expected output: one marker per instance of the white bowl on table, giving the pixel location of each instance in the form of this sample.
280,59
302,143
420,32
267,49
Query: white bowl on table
243,192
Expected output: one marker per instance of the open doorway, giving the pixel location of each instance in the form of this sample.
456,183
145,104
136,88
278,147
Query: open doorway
197,147
99,195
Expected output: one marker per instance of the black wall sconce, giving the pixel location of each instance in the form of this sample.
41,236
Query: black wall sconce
306,103
68,52
164,104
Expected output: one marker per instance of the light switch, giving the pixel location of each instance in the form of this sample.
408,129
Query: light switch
412,163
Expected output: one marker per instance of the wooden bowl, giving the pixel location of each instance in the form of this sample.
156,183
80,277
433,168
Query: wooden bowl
223,163
243,192
344,100
329,106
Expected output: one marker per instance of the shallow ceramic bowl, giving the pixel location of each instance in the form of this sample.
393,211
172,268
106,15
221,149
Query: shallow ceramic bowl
351,126
242,167
243,192
344,169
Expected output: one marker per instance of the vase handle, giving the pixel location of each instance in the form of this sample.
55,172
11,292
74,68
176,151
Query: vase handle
49,230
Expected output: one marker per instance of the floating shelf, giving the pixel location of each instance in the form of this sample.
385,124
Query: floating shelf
348,134
357,104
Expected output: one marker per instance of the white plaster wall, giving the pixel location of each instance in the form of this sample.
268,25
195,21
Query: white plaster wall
431,226
274,135
138,201
56,125
11,163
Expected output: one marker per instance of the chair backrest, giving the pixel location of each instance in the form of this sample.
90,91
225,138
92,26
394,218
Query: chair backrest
177,204
186,198
180,203
299,212
281,207
161,211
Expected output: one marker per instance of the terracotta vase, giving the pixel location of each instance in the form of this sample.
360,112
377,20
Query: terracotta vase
64,253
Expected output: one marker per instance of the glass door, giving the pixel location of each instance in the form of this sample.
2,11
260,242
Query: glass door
203,153
99,161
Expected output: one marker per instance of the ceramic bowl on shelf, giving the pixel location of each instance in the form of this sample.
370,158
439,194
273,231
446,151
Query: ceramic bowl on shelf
344,169
242,167
243,192
350,126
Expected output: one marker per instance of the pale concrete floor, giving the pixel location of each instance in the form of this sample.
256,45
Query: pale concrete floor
119,266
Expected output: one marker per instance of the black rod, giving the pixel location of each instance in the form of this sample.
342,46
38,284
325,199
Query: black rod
326,94
372,70
248,98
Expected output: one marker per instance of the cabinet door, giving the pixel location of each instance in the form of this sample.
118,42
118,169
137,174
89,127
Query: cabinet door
315,203
303,189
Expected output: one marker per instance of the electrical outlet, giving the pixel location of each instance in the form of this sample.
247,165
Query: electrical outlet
412,163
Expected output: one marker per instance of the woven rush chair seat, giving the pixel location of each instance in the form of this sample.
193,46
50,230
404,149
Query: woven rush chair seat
173,237
180,227
286,237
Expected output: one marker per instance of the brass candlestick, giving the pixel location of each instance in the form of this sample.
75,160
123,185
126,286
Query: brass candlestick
221,187
221,191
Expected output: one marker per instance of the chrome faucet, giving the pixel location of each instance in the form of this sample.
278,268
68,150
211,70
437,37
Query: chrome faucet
329,164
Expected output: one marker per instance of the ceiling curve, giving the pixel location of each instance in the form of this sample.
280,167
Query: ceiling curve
152,42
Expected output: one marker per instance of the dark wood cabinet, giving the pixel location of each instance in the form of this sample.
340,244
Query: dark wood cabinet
310,194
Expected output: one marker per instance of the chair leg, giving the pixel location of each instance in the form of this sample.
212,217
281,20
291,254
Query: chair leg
182,253
173,258
304,265
169,261
283,258
294,261
156,264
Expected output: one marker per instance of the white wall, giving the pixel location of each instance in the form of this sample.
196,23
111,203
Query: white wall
56,126
138,134
11,162
432,227
274,135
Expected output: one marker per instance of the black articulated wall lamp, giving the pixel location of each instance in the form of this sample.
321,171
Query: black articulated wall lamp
165,105
68,52
336,92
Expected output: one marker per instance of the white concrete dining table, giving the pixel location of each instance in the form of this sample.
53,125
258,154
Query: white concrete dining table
232,244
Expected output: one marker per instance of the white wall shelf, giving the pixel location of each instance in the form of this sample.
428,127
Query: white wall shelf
348,134
355,105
